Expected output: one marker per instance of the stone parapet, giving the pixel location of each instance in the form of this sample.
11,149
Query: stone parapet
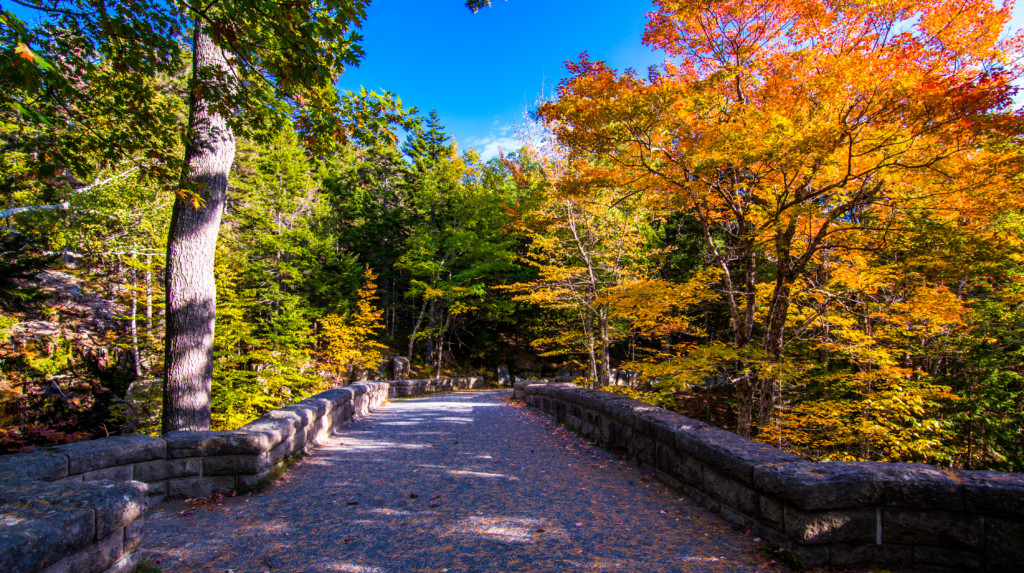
78,507
402,388
74,527
519,386
838,514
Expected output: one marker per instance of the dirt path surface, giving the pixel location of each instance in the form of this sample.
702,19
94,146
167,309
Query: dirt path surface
453,482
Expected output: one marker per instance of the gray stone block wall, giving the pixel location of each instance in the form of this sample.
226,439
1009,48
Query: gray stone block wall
838,514
519,386
78,507
402,388
81,527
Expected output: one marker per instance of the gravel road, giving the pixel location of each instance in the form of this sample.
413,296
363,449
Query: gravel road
452,482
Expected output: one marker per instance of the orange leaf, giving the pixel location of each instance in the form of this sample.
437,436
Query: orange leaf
24,51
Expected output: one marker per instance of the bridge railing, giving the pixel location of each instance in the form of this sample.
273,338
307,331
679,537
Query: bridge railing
78,507
838,514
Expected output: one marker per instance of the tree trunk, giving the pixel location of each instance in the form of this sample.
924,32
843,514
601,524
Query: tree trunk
778,312
707,400
415,330
592,355
428,353
440,344
149,299
604,364
777,315
744,406
135,324
191,293
750,284
743,329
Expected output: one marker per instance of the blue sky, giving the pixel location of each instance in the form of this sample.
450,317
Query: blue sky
481,71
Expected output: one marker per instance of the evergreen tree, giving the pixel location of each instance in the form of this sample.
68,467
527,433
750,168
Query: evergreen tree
269,266
369,217
250,64
349,344
429,143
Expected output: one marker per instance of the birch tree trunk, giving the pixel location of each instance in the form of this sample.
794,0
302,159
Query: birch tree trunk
428,353
149,299
416,329
604,373
191,294
136,360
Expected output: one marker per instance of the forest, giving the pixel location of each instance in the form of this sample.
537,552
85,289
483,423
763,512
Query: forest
805,226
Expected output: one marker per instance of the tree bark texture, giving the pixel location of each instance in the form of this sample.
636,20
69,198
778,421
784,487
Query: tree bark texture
136,356
191,293
604,373
416,329
149,298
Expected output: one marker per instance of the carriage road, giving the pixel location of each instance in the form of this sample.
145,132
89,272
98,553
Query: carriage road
453,482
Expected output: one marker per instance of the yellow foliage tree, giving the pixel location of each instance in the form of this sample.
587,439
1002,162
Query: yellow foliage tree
348,344
872,401
586,247
791,127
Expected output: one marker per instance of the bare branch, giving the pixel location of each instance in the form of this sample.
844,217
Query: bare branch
111,179
62,206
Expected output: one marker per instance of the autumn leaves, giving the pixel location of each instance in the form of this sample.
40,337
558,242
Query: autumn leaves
846,169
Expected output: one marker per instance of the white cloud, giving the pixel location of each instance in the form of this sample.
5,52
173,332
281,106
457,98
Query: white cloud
488,147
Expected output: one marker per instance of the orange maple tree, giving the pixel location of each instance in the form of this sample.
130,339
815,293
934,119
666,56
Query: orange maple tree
797,127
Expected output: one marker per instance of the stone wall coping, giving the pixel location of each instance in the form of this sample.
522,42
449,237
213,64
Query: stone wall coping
812,485
519,386
996,494
75,506
411,381
43,522
218,443
122,450
410,387
45,464
846,485
840,514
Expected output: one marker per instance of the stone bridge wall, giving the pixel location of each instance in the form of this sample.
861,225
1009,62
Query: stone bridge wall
840,514
401,388
76,508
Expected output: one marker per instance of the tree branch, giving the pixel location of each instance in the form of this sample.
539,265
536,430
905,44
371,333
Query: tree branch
64,205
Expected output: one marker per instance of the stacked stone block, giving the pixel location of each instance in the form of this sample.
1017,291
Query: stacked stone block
55,522
839,514
402,388
519,386
77,508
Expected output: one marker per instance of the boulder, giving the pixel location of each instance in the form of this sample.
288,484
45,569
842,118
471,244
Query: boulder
504,378
400,367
